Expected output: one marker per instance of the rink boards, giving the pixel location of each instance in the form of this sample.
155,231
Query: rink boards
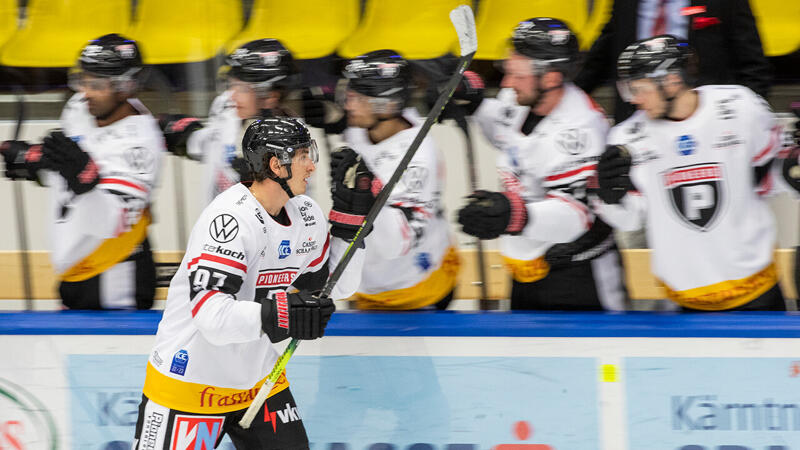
454,381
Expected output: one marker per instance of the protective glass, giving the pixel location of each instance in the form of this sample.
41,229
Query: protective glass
82,81
631,88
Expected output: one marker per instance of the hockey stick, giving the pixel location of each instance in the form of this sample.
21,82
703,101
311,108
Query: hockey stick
464,23
461,121
19,205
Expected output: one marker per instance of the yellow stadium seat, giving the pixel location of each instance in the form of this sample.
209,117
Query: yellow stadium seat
778,25
184,31
417,29
8,19
56,30
497,19
308,28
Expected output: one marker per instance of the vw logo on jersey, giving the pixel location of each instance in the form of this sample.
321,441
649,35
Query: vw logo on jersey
695,193
284,249
223,228
686,145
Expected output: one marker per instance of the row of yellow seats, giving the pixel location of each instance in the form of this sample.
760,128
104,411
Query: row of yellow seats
181,31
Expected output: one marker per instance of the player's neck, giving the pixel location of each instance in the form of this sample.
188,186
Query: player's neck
684,105
122,111
387,128
549,102
271,196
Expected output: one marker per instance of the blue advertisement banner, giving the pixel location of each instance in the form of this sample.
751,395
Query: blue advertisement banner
454,403
713,403
381,402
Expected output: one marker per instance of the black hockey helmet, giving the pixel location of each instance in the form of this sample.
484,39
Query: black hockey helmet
110,56
653,57
549,42
382,74
281,137
264,62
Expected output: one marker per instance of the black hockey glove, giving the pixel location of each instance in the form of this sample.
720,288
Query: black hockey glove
613,170
490,214
321,111
468,96
22,160
177,128
76,166
299,315
351,189
241,166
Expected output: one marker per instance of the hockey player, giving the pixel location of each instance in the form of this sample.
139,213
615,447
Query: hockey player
695,165
549,135
410,258
101,170
229,302
256,77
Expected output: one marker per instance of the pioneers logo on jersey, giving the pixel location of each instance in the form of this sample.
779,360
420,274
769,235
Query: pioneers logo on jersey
696,193
284,249
223,228
196,432
277,277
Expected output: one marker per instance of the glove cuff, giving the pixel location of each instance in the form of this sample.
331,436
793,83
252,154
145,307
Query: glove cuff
519,213
345,218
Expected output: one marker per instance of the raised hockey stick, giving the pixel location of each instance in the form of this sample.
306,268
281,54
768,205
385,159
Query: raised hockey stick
464,23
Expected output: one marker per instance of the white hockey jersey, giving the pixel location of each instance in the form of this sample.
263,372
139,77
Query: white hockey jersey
94,231
216,145
410,259
211,355
548,169
711,232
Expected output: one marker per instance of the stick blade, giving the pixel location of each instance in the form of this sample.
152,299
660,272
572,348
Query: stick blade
464,23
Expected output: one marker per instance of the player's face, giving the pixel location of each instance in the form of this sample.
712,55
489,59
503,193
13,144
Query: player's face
644,94
359,110
100,95
519,76
244,98
303,165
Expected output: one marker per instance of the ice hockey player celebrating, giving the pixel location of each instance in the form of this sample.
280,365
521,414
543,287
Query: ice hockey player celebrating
228,302
694,165
255,78
549,135
101,170
410,260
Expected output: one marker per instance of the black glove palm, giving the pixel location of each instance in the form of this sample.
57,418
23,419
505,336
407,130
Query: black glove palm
75,165
299,315
613,174
22,160
177,128
490,214
321,111
351,189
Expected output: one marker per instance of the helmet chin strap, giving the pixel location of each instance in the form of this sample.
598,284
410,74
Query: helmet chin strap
283,182
541,92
